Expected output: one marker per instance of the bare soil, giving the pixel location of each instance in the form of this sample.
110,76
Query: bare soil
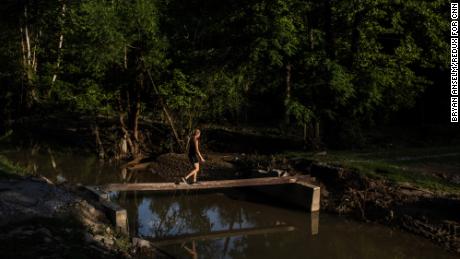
42,220
436,217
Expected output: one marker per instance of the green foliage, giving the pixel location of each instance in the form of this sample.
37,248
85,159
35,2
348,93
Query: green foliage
224,93
114,43
9,169
278,28
388,165
301,113
220,61
181,94
87,96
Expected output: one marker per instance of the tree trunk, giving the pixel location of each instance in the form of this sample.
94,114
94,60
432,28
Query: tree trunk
173,128
170,120
99,145
305,132
61,42
330,38
134,113
128,140
317,133
288,92
29,60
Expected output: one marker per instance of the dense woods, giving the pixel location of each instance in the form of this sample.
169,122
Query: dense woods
340,105
303,66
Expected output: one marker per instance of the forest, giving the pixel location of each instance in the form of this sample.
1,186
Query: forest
323,71
341,106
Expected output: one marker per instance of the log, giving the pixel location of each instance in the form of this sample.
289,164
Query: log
140,166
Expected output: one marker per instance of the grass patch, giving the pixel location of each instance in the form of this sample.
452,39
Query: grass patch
8,169
399,166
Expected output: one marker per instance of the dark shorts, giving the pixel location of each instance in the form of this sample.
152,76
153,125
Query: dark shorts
193,159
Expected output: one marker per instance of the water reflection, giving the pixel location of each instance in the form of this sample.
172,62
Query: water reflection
59,166
192,251
225,225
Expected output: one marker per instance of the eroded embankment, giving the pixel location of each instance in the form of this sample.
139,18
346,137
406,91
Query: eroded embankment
42,220
434,216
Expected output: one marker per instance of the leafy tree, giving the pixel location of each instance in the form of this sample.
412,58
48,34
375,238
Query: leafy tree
120,44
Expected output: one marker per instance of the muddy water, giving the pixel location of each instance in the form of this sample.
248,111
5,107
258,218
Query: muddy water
227,225
72,166
231,224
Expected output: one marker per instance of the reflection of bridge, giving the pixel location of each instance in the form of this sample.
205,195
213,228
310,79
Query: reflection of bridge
220,234
283,227
292,190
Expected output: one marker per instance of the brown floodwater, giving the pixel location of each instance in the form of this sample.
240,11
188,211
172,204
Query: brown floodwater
230,224
234,224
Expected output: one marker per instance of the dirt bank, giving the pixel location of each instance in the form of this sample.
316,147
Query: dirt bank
434,216
42,220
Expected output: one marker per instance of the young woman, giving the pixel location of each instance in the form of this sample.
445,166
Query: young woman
194,156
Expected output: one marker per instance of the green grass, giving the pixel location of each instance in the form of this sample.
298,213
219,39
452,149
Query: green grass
399,165
9,169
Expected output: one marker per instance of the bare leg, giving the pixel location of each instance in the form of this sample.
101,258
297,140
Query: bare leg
194,172
197,167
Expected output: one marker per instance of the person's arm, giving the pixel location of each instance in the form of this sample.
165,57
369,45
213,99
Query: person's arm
198,150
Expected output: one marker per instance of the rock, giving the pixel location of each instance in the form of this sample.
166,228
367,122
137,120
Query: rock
141,243
99,238
60,179
109,241
104,239
260,171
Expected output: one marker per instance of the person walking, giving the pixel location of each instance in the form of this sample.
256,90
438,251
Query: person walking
194,156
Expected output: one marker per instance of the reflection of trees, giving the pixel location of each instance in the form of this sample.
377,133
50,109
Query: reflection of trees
338,238
70,164
181,214
192,251
177,214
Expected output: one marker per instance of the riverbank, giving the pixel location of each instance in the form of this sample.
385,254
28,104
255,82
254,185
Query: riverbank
413,189
344,191
426,204
43,220
434,216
